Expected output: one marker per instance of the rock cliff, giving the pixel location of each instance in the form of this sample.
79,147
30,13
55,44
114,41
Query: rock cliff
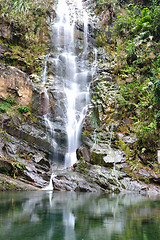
26,144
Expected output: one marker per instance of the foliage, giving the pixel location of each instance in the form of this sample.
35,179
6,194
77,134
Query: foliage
6,104
101,39
101,1
83,166
9,140
3,108
147,135
139,77
157,91
10,100
139,22
28,28
18,168
22,109
125,147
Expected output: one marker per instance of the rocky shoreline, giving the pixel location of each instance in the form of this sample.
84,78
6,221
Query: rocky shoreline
93,178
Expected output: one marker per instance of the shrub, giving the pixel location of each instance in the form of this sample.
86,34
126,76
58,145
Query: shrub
4,106
3,109
10,100
147,136
23,109
138,30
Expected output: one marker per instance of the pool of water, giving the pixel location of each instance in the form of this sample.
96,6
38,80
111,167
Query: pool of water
78,216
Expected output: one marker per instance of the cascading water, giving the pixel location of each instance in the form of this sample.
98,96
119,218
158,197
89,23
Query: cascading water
46,104
72,72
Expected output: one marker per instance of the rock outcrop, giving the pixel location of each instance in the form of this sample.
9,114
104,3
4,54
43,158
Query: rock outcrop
15,84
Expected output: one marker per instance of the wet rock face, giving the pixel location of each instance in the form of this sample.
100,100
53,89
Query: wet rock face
34,136
103,116
15,83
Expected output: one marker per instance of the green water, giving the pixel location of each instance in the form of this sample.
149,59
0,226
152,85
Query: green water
73,216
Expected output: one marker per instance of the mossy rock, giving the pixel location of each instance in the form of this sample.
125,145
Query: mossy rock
97,154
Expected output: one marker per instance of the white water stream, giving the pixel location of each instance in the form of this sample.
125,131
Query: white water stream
76,71
77,92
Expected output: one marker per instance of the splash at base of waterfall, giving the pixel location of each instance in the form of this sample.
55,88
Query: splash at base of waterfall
50,186
70,159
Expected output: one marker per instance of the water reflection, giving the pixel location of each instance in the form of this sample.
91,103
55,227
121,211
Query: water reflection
77,216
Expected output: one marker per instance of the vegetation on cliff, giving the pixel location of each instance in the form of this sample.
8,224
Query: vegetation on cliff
138,70
25,31
135,48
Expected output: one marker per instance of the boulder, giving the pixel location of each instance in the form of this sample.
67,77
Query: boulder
97,154
68,180
148,175
112,158
83,152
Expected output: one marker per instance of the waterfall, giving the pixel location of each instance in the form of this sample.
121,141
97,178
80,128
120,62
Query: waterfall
72,75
